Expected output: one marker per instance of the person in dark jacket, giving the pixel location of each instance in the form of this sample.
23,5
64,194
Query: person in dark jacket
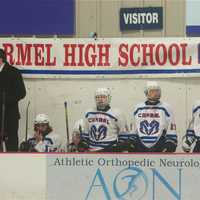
12,89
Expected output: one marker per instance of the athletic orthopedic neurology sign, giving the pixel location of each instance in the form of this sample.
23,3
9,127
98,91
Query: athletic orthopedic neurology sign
141,18
74,176
123,177
104,57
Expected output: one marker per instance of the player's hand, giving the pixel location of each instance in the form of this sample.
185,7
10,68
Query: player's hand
38,136
187,143
186,148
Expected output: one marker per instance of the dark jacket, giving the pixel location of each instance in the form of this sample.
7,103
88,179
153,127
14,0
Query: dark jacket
11,82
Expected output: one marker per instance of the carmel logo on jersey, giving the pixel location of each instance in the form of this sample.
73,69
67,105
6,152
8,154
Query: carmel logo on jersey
98,119
149,128
151,115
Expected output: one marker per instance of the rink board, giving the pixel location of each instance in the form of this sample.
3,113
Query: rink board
99,176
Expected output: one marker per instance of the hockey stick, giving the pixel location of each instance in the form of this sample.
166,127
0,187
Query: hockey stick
67,124
3,145
27,109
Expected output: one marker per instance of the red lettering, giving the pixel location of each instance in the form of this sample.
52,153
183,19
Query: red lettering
80,47
8,48
161,47
133,55
105,54
92,55
23,54
123,54
184,61
71,47
39,54
49,62
176,54
145,54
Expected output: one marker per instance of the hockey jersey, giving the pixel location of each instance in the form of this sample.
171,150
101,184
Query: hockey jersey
50,143
104,129
150,122
194,125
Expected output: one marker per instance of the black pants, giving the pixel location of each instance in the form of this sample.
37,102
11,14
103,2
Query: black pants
197,147
163,145
11,130
124,146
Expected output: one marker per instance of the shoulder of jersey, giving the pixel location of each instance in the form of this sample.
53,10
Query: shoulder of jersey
92,109
139,105
165,105
53,135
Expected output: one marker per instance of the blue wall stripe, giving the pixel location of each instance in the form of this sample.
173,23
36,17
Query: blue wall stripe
113,72
193,31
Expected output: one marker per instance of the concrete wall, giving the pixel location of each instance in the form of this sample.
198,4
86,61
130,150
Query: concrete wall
48,96
102,16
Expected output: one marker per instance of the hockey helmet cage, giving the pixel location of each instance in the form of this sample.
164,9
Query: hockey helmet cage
151,85
104,91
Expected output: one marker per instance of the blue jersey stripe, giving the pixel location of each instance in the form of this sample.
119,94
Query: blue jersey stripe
147,137
190,131
172,136
85,134
195,109
103,113
103,142
149,141
101,145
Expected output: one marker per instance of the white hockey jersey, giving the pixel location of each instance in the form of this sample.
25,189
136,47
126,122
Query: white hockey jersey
50,143
103,129
150,122
194,125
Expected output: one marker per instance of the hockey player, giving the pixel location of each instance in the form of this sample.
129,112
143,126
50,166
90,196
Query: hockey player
43,140
191,140
105,129
154,128
78,144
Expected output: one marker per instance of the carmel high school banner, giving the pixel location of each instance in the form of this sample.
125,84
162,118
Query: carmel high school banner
104,57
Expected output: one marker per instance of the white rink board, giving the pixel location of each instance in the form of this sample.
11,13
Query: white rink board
23,176
99,176
123,177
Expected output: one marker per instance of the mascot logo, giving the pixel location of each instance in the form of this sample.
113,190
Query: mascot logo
149,128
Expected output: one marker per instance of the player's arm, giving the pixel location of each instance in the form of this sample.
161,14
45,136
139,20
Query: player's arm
190,137
171,135
56,144
124,135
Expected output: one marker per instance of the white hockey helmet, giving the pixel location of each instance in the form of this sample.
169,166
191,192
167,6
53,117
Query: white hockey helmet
151,85
104,92
41,119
